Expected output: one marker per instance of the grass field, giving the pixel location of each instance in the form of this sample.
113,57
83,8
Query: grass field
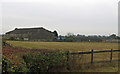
72,46
78,47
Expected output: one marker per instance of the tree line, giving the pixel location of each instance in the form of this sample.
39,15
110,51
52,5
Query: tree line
70,37
82,38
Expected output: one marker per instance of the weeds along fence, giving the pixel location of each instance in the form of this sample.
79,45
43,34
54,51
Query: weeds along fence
92,54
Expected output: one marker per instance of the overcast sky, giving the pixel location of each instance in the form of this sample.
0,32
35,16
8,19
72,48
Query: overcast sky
89,17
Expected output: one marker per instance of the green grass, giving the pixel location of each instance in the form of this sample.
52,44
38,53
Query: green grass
102,67
72,46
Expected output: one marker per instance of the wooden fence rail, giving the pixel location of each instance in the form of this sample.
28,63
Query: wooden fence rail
92,53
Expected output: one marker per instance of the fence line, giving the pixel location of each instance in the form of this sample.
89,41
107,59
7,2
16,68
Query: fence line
92,52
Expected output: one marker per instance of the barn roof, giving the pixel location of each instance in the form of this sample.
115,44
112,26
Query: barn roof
26,30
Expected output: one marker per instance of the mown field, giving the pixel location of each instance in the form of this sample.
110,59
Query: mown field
78,60
71,46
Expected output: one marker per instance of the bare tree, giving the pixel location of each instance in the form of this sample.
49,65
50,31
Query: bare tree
70,34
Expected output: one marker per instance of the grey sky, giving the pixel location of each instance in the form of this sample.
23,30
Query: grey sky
89,17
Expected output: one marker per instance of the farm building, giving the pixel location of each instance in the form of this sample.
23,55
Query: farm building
31,34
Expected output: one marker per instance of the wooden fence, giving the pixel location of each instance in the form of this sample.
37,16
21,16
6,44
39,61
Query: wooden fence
92,54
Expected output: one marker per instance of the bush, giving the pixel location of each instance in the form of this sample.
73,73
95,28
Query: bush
12,38
44,62
69,39
6,66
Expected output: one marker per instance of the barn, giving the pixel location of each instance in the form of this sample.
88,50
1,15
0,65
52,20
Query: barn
31,34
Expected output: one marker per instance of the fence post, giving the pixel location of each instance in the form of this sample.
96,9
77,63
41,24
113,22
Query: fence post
111,56
68,60
92,56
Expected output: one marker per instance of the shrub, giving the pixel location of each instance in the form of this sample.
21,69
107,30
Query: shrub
6,66
44,62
